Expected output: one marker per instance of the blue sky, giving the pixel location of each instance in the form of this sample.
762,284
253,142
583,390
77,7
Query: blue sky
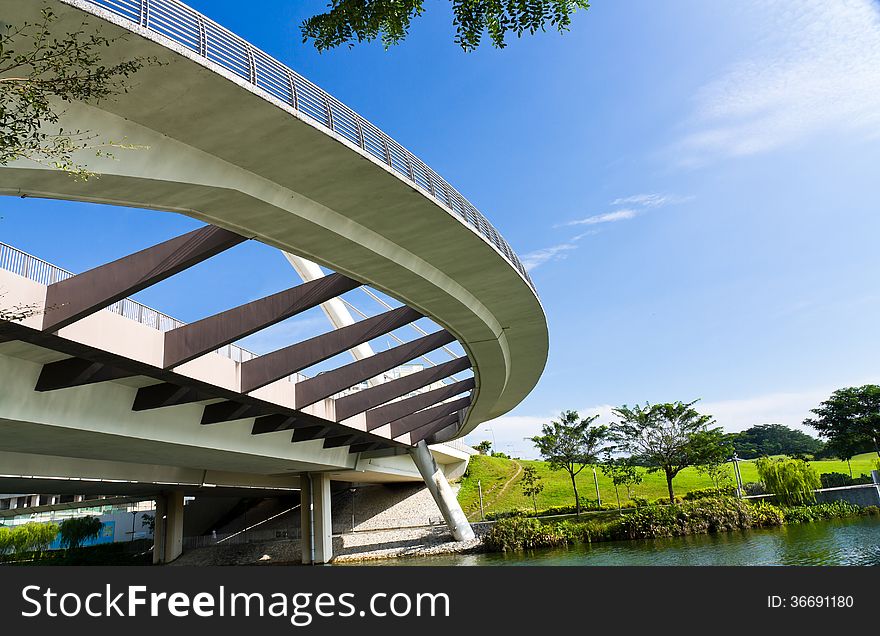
693,185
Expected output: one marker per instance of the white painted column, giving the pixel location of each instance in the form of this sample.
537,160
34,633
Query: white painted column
305,519
316,523
439,488
323,522
168,529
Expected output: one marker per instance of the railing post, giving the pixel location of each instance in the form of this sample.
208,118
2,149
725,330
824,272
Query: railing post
203,36
252,63
360,131
294,100
387,149
327,111
145,13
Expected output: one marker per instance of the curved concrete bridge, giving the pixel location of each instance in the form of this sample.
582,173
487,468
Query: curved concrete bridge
241,142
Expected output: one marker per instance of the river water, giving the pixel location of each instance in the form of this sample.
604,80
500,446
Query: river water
839,542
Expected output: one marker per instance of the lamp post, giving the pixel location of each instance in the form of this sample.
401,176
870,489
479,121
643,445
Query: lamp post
492,430
737,476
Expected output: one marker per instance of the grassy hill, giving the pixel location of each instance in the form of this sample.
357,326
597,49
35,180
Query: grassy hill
502,490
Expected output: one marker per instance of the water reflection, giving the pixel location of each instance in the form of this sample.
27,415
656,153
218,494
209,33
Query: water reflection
840,542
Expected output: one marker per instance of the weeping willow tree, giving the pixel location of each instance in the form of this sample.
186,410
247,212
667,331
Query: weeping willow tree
793,481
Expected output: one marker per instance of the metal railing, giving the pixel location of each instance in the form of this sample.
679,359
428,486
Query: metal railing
36,269
204,37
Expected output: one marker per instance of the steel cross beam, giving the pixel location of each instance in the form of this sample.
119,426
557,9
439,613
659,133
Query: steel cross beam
203,336
428,430
417,420
323,386
350,405
165,394
278,364
78,296
395,410
65,374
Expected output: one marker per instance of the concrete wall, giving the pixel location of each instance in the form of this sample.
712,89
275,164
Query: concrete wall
385,506
863,495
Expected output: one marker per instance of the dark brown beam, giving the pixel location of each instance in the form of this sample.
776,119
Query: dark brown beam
332,382
53,342
84,294
158,396
337,441
72,372
230,411
275,423
351,405
278,364
198,338
428,430
417,420
395,410
309,433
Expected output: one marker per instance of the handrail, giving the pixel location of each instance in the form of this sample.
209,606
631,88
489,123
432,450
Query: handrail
186,27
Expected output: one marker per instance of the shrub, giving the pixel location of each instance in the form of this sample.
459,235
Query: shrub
835,480
5,540
75,531
707,493
523,534
793,481
821,511
720,514
766,515
26,538
753,488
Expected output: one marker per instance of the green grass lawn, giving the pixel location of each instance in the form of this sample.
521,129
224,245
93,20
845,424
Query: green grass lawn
495,472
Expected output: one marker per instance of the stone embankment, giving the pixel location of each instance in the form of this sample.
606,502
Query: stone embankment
348,548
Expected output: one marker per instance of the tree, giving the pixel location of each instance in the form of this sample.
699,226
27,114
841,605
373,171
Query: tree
571,444
773,439
77,530
623,472
532,486
5,540
668,437
793,481
851,416
716,470
844,448
484,447
39,70
39,536
351,21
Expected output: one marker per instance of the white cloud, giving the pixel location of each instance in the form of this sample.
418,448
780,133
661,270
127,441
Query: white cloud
536,258
815,70
652,200
608,217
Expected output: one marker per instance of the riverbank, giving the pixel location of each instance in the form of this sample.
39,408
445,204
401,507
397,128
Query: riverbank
501,482
704,516
837,542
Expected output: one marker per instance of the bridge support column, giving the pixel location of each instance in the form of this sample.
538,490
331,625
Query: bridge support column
316,526
439,488
168,529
